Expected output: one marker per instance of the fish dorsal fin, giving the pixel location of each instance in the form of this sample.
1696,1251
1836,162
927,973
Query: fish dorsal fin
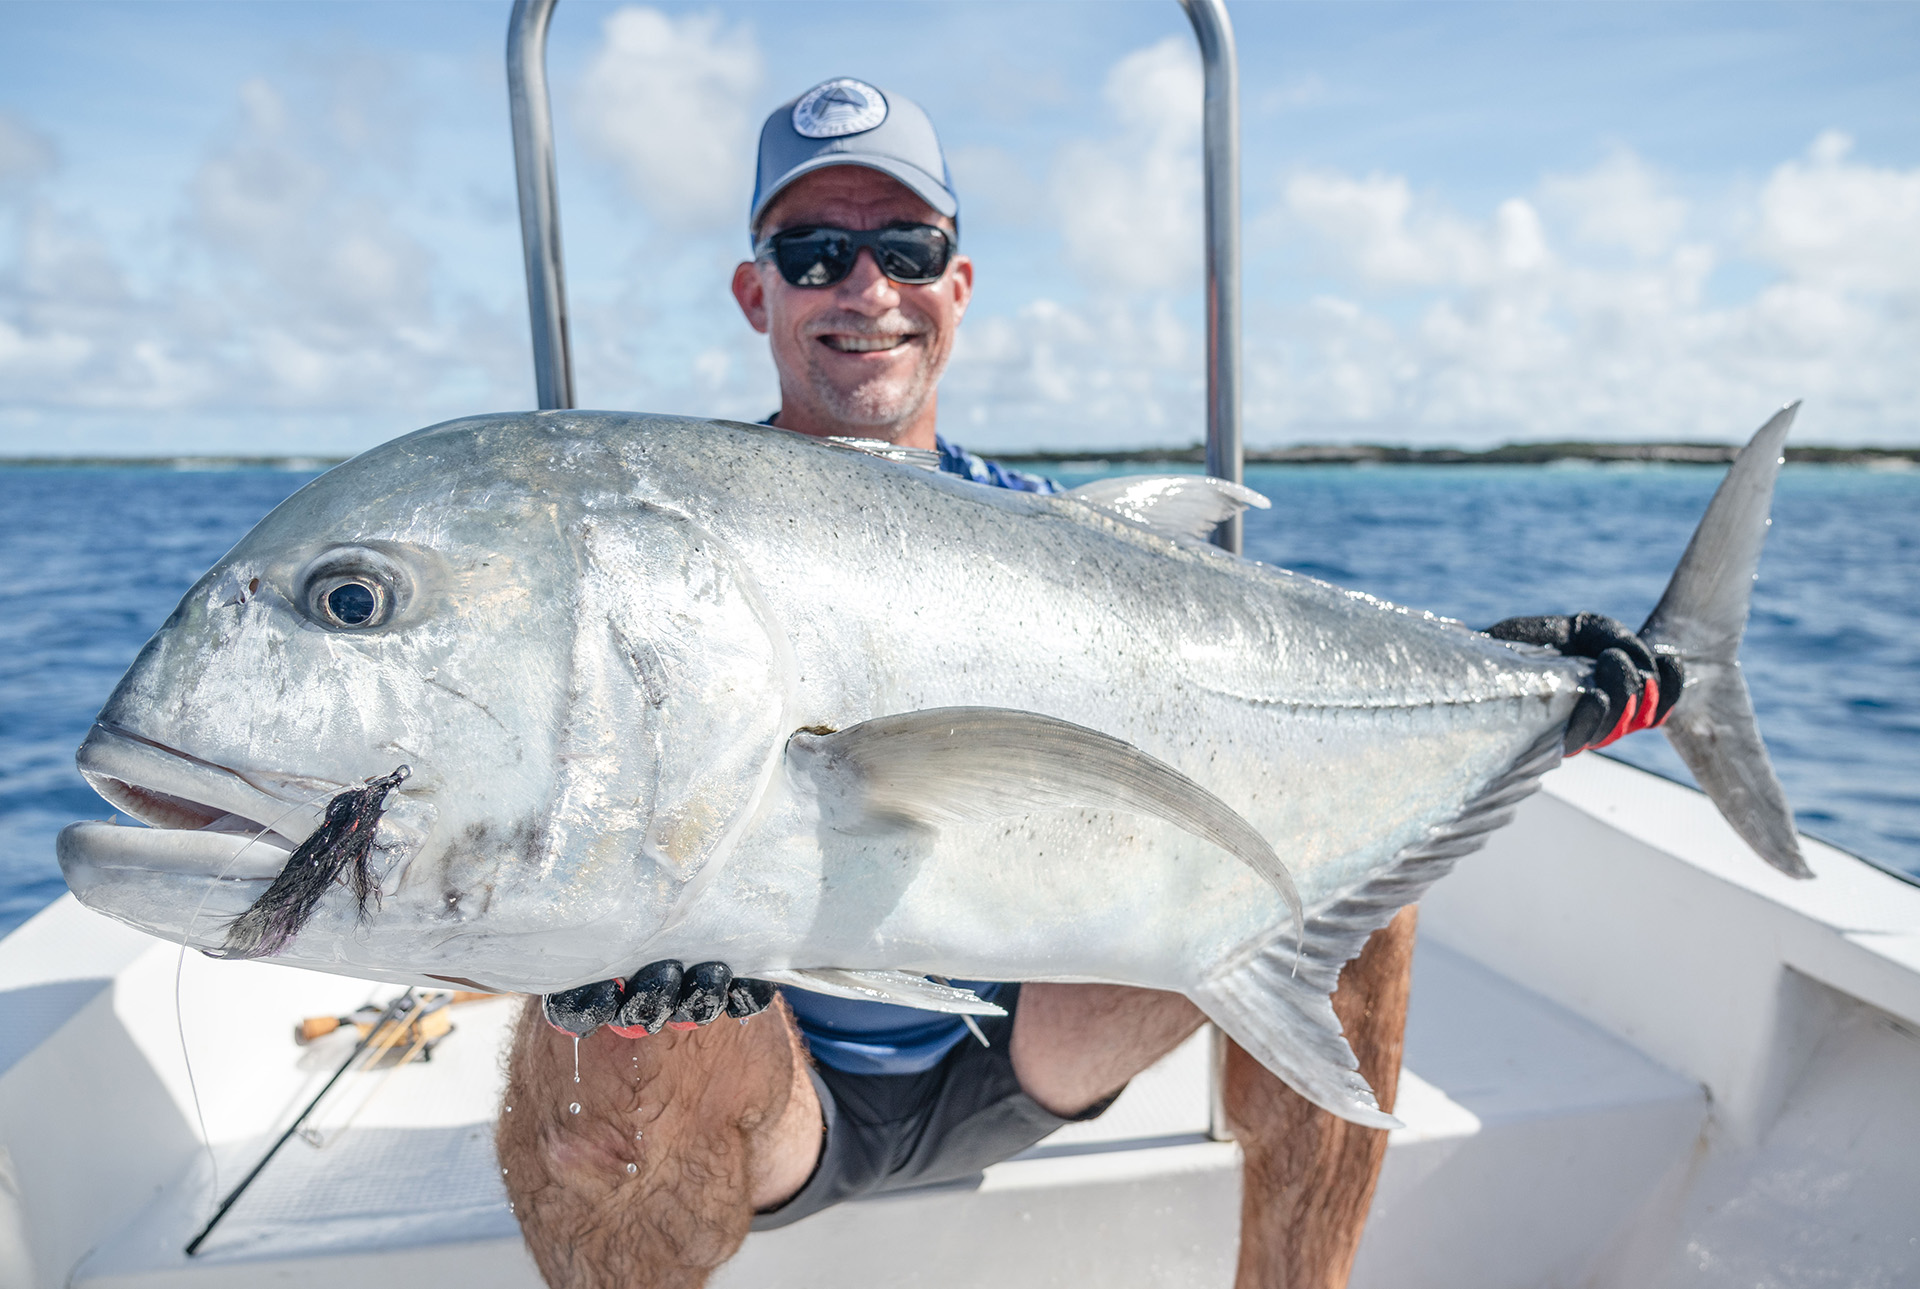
886,987
1178,505
956,764
924,458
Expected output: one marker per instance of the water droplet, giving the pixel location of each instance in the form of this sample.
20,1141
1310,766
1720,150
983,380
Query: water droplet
574,1108
632,1169
636,1136
509,1109
576,1058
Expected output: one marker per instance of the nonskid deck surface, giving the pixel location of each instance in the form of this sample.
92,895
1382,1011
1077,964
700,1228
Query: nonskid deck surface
1142,1185
1540,1147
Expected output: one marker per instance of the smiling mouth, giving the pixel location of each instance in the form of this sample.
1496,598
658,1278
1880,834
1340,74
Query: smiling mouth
847,344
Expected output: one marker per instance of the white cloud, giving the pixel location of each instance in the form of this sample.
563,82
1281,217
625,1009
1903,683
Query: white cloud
284,284
1840,226
1619,203
1375,224
668,101
1129,204
1121,365
1055,375
1526,323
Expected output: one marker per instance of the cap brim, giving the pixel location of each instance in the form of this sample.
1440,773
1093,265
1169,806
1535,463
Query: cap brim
919,182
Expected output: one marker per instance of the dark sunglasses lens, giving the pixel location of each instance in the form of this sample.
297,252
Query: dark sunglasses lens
814,257
913,255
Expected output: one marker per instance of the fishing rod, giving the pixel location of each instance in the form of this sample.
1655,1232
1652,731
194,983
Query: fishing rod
399,1007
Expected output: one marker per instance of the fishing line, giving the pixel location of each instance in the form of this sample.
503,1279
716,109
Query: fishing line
179,970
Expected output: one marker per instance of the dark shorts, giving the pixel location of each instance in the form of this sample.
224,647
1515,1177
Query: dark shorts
889,1132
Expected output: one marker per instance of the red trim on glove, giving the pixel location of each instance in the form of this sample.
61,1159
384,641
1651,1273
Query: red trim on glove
1638,716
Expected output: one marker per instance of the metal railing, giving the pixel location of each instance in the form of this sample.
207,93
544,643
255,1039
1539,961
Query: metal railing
546,277
539,200
1220,148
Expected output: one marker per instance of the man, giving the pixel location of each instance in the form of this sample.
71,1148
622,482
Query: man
859,285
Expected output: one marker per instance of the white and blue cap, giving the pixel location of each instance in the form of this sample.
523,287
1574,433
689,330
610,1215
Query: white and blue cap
847,122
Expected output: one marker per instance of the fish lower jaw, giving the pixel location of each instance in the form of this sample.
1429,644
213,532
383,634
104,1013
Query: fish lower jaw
239,855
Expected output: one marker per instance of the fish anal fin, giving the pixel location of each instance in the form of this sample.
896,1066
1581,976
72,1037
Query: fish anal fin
897,987
1278,1004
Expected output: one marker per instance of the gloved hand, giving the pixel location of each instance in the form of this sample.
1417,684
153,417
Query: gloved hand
659,994
1633,688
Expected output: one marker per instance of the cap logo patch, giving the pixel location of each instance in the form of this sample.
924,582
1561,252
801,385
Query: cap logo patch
839,107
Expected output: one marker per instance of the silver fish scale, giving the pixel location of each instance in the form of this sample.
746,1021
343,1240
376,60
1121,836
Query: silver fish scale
1341,726
612,624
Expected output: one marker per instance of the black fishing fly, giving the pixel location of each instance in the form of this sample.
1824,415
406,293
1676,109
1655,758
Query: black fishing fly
341,845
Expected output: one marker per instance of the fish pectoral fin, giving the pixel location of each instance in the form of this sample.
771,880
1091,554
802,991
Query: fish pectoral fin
896,987
1175,505
962,764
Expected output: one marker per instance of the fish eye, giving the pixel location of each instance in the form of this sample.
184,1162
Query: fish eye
353,604
353,589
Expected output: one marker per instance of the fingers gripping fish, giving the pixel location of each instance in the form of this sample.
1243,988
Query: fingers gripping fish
682,692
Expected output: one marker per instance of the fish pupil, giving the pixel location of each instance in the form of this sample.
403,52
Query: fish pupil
352,603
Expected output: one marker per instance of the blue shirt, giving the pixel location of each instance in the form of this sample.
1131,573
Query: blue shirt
879,1038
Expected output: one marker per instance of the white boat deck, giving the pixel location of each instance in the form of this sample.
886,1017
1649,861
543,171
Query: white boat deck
1635,1057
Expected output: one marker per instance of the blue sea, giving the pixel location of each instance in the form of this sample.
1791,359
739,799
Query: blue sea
95,559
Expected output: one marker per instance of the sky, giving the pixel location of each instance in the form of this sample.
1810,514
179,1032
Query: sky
289,228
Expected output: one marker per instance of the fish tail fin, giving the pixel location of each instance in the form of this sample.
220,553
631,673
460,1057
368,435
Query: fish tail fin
1700,619
1278,1004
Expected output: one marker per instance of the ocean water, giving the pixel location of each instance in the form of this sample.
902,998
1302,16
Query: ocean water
95,559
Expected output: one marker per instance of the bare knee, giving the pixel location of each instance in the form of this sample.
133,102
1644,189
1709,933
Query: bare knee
1075,1045
644,1171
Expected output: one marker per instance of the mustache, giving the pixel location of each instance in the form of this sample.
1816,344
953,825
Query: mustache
341,845
854,324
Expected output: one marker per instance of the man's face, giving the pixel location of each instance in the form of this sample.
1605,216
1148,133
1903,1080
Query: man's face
863,356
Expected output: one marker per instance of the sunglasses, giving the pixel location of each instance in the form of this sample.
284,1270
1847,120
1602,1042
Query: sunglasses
911,254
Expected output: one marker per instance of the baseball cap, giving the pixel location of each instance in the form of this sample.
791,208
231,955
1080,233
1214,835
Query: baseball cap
847,122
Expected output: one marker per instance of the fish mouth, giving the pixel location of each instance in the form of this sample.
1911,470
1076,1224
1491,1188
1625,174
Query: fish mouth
214,841
205,806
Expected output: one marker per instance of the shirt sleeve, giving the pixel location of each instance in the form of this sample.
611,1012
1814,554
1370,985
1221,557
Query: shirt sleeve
957,460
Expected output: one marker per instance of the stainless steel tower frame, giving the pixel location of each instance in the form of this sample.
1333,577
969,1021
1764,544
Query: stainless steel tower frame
1220,144
539,200
546,275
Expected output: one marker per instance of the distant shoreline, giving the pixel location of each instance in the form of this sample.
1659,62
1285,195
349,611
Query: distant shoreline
1505,454
1362,454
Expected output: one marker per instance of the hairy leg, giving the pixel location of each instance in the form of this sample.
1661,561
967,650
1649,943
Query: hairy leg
653,1182
1309,1176
1075,1045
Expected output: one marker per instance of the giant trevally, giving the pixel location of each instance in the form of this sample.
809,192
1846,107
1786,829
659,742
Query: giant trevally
668,688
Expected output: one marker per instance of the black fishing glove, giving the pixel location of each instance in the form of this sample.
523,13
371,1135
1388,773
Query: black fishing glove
1632,688
661,994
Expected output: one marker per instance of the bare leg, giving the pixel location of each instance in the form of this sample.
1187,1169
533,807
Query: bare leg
1075,1045
1310,1176
652,1183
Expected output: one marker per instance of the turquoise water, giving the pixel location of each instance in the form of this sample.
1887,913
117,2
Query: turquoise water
95,560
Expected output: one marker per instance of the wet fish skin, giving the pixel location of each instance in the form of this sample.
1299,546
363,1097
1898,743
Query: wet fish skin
604,630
